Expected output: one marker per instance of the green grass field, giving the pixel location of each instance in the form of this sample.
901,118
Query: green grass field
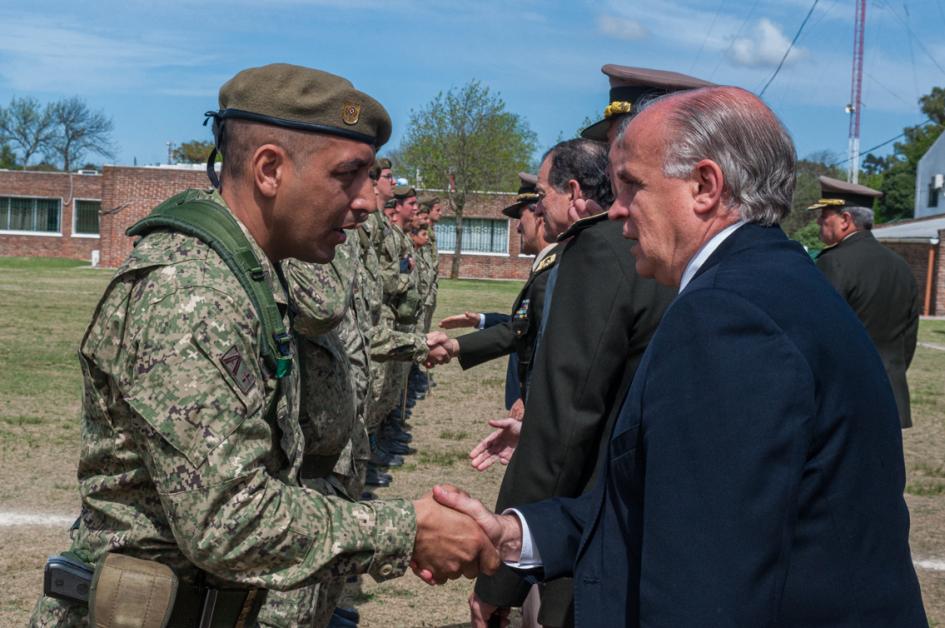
45,306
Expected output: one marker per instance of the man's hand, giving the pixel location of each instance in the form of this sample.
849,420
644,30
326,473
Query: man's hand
449,544
504,531
499,445
466,319
517,411
481,612
442,349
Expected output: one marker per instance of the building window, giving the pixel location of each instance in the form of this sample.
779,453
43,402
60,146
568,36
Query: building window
38,215
480,235
933,193
86,217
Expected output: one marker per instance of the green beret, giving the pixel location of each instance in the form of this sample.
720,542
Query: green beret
304,99
402,192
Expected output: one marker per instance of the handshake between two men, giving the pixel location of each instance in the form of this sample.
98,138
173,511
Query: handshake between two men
457,535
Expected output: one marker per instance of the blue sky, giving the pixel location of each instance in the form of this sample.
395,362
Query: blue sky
155,67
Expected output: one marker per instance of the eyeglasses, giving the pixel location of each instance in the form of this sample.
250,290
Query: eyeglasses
387,176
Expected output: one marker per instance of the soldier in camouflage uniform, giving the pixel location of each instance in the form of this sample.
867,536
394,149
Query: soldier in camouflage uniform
402,300
191,441
334,386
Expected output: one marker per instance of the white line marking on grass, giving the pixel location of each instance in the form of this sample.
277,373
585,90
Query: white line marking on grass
930,565
932,345
8,519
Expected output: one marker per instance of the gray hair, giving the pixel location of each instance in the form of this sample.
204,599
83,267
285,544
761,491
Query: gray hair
585,161
862,216
733,128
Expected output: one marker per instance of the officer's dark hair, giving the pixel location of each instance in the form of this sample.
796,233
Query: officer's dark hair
585,161
242,138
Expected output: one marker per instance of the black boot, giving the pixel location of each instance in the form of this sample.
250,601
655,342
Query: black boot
376,477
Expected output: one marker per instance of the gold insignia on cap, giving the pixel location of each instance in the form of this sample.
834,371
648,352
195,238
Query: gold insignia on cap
618,107
351,112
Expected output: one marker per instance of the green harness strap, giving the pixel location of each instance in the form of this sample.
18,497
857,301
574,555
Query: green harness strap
211,223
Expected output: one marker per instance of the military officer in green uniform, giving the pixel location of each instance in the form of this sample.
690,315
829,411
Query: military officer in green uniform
192,449
518,332
874,281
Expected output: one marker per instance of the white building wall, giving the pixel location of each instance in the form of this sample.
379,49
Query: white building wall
931,164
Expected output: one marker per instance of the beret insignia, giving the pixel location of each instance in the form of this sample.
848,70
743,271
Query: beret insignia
350,113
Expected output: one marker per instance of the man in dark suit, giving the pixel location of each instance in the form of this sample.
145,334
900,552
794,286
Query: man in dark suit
873,280
755,472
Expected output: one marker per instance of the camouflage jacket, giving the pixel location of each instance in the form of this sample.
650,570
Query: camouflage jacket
190,454
385,341
334,361
393,249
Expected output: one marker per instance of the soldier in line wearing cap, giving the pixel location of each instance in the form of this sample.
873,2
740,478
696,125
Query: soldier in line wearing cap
427,272
192,505
874,281
600,314
334,361
404,300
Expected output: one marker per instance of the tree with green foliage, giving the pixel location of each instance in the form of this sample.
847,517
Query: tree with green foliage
894,175
7,157
193,152
801,224
465,141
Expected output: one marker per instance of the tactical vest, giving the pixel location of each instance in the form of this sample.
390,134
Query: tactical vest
192,214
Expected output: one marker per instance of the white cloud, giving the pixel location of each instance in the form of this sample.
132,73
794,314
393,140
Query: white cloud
764,48
41,55
621,28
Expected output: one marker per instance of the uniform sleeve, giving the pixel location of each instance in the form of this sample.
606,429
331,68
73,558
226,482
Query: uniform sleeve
319,295
390,345
199,403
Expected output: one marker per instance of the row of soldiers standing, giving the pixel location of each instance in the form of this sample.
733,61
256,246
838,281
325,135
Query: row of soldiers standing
361,325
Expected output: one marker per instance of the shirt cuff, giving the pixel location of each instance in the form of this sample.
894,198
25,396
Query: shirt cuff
530,558
482,321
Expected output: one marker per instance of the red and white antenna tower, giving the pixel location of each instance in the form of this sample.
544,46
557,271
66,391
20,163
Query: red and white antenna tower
856,90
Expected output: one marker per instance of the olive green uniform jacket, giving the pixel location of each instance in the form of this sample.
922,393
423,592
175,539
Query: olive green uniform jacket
881,289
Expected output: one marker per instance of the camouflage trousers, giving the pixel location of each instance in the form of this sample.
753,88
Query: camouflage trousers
50,612
383,393
310,607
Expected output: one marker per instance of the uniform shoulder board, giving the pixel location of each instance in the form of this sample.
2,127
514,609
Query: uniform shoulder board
547,262
581,225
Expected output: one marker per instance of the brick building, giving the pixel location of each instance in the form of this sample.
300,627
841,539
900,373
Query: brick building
921,243
84,216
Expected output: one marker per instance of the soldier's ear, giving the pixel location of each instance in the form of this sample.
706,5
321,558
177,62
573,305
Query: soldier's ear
269,164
